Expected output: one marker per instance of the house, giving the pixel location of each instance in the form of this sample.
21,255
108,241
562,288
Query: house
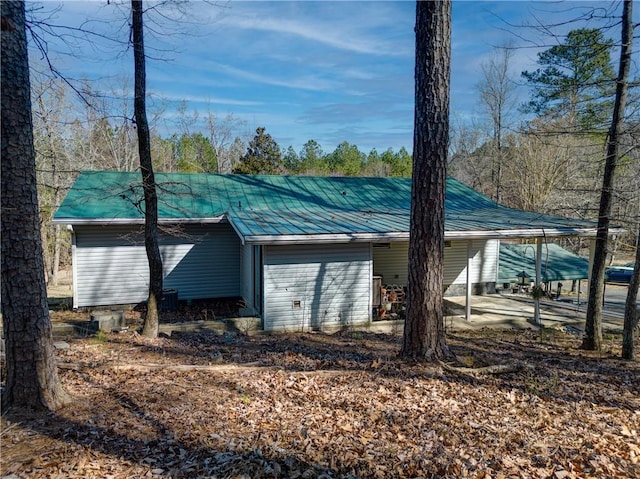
301,251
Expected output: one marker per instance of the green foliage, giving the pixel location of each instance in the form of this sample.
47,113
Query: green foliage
194,153
262,157
312,159
291,160
101,337
576,78
346,160
401,162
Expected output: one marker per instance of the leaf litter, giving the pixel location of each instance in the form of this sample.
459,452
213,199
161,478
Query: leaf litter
343,405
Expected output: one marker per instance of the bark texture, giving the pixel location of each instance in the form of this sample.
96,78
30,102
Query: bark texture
631,313
593,327
151,321
424,336
32,381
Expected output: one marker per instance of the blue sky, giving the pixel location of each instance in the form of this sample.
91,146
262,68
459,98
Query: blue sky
323,70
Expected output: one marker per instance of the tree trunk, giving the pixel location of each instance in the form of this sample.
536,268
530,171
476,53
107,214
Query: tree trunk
593,327
32,381
424,336
151,321
631,313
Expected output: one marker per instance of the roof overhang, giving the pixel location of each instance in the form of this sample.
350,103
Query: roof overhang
137,221
372,237
404,236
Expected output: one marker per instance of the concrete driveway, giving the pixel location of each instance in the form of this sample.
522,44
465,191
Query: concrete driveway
517,311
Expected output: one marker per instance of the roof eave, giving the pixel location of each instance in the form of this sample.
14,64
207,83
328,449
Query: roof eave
404,236
136,221
528,233
326,238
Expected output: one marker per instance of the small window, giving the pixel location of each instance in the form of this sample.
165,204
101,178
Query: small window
296,305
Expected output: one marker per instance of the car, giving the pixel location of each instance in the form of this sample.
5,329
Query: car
618,274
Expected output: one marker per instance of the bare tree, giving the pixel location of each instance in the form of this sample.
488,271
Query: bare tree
53,165
497,91
424,336
593,326
32,378
222,135
151,321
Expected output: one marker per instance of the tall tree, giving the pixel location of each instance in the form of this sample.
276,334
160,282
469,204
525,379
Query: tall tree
151,320
424,336
53,166
221,136
32,378
631,314
262,157
497,91
593,326
574,79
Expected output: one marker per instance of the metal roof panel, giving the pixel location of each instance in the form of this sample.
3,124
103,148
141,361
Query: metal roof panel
296,206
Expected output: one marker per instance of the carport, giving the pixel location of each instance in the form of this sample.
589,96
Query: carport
543,261
556,263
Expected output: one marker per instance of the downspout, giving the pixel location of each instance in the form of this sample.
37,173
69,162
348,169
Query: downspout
74,267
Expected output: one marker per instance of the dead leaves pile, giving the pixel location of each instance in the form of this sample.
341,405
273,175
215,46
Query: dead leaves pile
327,406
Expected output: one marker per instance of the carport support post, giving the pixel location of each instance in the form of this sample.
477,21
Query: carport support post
467,309
536,314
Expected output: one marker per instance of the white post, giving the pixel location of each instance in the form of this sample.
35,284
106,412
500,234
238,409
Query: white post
536,317
467,312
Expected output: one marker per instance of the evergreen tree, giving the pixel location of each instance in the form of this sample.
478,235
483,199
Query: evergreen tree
312,159
262,157
575,79
31,380
346,160
291,160
424,335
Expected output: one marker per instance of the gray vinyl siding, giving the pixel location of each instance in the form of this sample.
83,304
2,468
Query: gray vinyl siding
392,263
331,282
246,275
111,266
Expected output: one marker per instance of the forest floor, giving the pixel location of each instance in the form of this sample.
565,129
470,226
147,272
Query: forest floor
201,404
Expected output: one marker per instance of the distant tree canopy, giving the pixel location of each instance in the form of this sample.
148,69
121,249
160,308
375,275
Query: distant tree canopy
346,159
194,153
575,79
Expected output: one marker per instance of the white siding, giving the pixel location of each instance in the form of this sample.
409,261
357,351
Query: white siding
455,263
111,263
332,284
484,266
392,263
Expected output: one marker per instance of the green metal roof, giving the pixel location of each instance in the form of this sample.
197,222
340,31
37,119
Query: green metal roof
556,263
266,209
